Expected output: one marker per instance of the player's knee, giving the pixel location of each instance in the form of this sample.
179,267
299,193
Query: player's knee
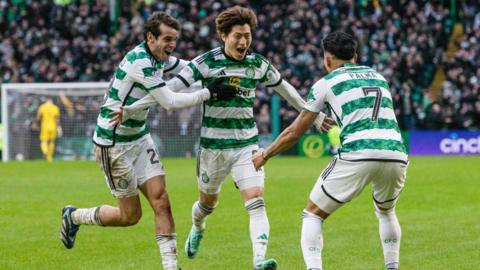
309,215
208,201
161,203
384,210
131,218
255,205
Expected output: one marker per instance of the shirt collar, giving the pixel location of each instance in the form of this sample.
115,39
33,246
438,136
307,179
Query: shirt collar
350,65
233,59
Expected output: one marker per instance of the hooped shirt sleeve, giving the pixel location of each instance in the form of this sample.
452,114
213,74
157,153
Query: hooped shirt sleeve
272,76
144,74
174,65
317,97
195,70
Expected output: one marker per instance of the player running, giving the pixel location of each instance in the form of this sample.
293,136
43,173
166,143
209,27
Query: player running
126,152
371,148
229,135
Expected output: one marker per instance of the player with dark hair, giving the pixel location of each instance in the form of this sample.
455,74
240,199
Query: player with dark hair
371,148
125,150
229,134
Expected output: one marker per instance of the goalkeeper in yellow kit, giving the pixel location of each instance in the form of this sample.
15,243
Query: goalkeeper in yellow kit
48,115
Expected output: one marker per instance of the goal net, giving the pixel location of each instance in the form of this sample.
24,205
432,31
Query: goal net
175,133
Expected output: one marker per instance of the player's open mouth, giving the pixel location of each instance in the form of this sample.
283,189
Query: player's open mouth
168,52
241,50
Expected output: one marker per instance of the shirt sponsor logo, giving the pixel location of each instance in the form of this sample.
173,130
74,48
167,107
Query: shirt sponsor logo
234,81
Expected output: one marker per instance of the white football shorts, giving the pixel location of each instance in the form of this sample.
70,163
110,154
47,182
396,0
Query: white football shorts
127,167
214,165
342,180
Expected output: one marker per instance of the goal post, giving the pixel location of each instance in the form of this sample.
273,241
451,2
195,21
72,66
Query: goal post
20,102
175,133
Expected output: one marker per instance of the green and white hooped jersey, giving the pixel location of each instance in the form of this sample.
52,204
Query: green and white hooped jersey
138,73
230,124
360,101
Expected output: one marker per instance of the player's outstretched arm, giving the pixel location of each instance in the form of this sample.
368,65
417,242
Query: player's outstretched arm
174,85
170,100
286,139
289,93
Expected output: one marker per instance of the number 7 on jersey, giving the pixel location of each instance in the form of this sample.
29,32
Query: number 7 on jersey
378,100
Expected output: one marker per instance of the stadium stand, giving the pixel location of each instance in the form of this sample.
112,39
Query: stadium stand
66,41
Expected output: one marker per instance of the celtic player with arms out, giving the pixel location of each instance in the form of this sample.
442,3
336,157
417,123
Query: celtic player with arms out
125,150
229,135
371,148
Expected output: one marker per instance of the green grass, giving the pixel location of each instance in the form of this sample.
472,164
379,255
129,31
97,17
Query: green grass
439,211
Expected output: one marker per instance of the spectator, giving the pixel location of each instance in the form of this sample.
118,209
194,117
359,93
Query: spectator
44,42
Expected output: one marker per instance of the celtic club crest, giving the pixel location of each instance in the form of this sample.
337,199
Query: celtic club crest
250,72
123,183
205,178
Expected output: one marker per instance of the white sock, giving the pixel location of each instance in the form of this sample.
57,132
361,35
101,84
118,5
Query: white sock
259,227
312,240
86,216
199,215
168,250
390,235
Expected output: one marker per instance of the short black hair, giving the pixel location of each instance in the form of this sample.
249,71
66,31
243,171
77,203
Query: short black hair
340,44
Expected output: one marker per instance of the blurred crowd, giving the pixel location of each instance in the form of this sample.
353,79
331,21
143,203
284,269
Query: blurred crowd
405,40
459,104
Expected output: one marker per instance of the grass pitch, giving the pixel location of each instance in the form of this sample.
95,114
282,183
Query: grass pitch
439,211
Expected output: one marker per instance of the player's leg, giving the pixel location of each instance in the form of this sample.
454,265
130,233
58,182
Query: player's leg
151,180
259,225
116,163
250,183
50,138
312,235
44,142
50,150
201,209
340,182
212,168
44,148
156,194
127,213
387,185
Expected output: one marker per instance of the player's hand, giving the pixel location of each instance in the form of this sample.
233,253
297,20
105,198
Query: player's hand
59,131
326,124
220,91
258,159
117,117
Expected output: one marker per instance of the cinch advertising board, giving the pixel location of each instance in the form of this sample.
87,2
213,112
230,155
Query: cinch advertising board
441,143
